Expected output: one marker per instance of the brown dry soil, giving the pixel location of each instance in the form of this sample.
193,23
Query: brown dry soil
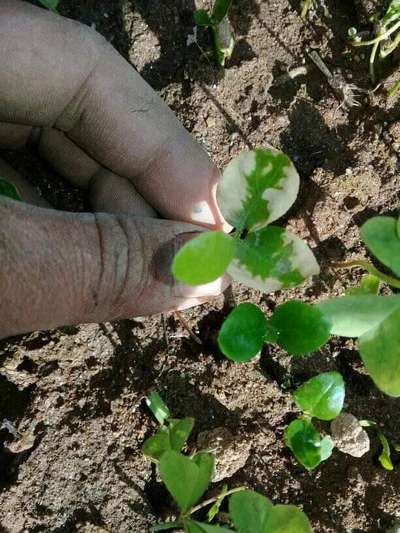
75,394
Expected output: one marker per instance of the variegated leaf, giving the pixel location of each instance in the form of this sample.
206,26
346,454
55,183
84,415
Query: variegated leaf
271,259
256,188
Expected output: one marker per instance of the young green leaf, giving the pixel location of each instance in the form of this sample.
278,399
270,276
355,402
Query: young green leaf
202,18
301,327
204,258
309,448
249,511
256,188
214,509
369,284
198,527
173,437
287,519
380,351
384,457
242,334
352,316
50,4
321,396
186,479
271,259
158,407
220,10
179,431
157,444
224,40
9,190
381,238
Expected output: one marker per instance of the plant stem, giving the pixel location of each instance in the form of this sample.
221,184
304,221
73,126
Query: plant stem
366,265
215,498
379,38
305,9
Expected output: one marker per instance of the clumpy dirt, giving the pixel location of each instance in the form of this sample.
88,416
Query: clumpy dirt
71,399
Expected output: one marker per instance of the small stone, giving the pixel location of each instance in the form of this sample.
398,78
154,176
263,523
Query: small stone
349,436
231,453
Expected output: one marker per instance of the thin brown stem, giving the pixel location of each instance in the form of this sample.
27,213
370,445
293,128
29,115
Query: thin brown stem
366,265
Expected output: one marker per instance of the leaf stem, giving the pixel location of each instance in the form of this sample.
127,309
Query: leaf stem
215,498
366,265
379,38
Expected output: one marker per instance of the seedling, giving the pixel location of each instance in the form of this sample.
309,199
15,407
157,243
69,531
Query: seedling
9,190
386,36
321,397
50,4
256,188
217,21
374,319
188,477
385,456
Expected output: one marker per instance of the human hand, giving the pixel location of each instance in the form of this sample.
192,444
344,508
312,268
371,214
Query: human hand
90,114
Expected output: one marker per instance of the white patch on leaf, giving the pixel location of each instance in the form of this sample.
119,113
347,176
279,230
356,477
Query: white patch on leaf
232,188
302,258
282,198
240,273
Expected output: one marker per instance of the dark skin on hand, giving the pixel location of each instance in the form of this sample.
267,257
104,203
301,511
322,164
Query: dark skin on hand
64,89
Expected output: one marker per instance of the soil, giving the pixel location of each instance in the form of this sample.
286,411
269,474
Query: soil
73,397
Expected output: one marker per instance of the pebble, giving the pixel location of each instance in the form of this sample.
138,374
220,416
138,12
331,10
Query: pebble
349,436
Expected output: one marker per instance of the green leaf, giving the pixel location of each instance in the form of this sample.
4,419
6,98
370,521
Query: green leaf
224,40
381,238
380,351
156,445
179,432
398,220
50,4
242,334
309,448
384,457
301,327
204,258
214,509
9,190
198,527
272,259
186,479
202,18
158,407
256,188
287,519
352,316
369,284
220,10
173,437
321,396
249,511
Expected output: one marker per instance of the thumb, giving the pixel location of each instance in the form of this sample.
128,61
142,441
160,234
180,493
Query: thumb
60,268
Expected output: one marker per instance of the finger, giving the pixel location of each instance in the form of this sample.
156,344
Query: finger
60,268
26,191
109,193
60,74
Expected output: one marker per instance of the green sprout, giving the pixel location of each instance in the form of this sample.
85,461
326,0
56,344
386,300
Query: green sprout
386,36
217,21
305,8
50,4
321,397
187,478
9,190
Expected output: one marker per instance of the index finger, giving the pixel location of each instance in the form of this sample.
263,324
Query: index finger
59,73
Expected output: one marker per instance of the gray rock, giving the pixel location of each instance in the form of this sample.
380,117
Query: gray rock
349,437
231,453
